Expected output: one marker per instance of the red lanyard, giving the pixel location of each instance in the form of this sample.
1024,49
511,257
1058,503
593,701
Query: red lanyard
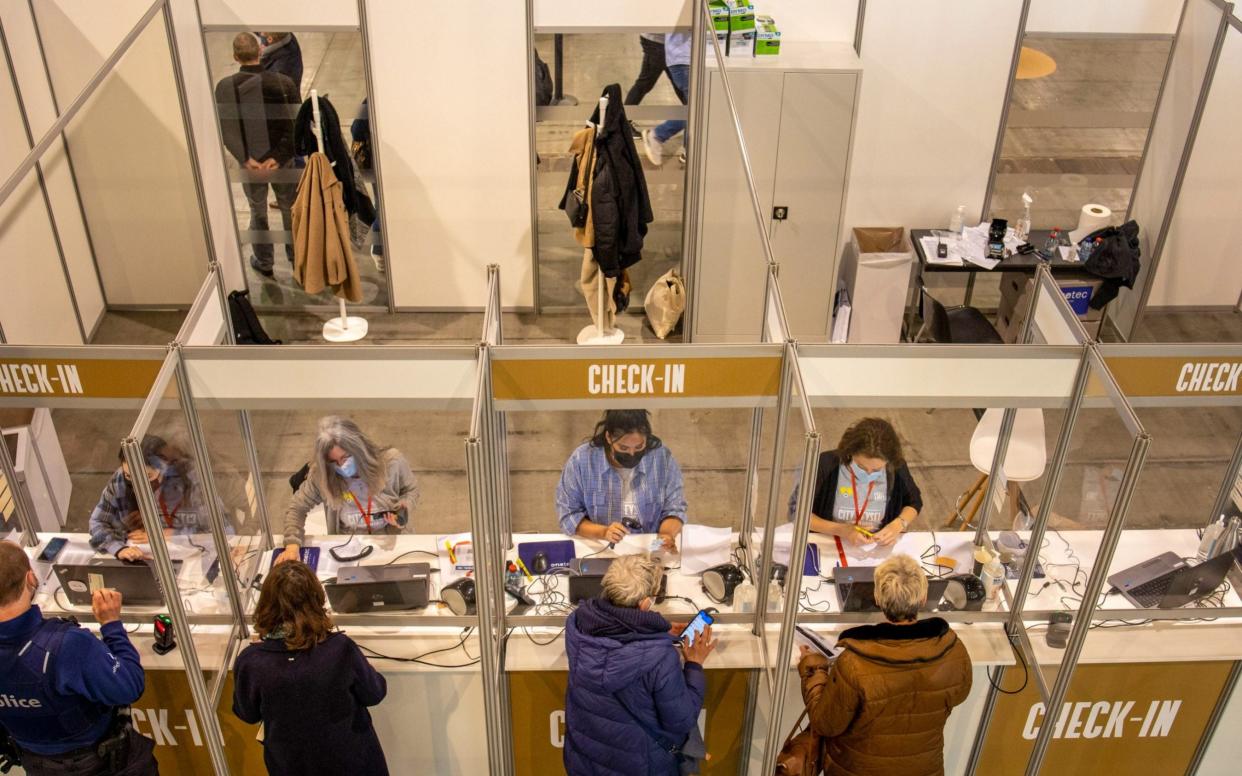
366,516
858,513
168,519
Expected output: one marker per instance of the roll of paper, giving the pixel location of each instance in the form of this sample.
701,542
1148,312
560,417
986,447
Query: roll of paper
1091,218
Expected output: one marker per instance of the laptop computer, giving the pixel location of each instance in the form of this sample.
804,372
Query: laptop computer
855,587
380,588
1169,582
135,581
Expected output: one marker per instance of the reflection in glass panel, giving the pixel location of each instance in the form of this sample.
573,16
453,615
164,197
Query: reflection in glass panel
590,62
263,84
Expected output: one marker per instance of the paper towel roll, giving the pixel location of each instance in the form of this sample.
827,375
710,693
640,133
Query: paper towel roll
1091,218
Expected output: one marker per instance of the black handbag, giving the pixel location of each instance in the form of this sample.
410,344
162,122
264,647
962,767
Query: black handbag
578,201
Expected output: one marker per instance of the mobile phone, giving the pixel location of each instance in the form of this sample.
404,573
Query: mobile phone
53,549
696,626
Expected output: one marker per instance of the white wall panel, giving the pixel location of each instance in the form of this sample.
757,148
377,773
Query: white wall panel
800,20
41,112
280,14
1134,17
452,115
934,78
1200,264
130,153
812,20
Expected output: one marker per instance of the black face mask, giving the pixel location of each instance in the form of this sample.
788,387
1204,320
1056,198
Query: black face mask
628,460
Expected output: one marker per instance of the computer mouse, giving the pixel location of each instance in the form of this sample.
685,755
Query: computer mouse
539,563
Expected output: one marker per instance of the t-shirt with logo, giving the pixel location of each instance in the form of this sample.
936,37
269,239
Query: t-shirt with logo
351,510
843,510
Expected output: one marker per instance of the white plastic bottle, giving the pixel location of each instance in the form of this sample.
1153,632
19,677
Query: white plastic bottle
1023,229
992,576
1207,545
776,593
958,222
744,597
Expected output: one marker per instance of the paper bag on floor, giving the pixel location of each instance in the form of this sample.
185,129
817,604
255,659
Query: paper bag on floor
665,303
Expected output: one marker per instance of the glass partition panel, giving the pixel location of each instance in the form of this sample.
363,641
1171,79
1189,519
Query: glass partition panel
265,83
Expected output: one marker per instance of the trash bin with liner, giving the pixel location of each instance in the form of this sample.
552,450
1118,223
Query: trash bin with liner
876,273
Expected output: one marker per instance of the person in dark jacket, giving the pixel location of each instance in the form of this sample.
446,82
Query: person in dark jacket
620,205
282,54
882,704
255,110
865,484
627,684
65,689
310,686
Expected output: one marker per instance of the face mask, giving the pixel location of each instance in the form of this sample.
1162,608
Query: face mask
628,460
347,469
863,476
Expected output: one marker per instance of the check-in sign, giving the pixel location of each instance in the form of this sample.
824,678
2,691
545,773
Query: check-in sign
537,380
1177,376
39,379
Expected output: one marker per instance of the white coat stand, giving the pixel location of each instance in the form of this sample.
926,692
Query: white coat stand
593,334
345,328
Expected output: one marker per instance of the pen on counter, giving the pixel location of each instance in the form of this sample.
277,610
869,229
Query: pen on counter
864,532
525,570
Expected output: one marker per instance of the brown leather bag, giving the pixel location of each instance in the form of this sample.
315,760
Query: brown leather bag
802,752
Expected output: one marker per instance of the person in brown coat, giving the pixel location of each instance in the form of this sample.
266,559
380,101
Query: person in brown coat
882,704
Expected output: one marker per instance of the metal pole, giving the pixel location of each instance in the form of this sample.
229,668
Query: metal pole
997,472
793,588
25,512
752,477
859,25
1164,80
558,65
1209,730
1225,496
748,721
208,479
1004,117
1180,178
774,490
533,152
1095,583
373,125
483,600
167,578
691,207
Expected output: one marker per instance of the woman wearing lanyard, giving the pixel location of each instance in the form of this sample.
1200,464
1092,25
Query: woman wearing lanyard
623,480
864,492
363,487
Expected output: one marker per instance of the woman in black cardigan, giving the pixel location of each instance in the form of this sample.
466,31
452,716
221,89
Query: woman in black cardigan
864,484
310,686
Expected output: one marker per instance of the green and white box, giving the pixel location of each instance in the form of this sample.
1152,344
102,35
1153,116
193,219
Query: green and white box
742,44
741,18
720,15
767,37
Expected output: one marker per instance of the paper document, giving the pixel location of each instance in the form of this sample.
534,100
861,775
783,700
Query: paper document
704,546
931,244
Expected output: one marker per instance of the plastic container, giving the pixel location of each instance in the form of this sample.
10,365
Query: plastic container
744,597
958,221
993,576
1211,534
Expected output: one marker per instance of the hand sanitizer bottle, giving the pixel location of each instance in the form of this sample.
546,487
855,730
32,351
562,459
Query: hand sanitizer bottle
1022,230
1207,545
958,221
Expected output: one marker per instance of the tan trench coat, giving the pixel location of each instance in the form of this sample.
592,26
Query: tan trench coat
322,257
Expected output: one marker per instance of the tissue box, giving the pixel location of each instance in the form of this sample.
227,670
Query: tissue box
767,37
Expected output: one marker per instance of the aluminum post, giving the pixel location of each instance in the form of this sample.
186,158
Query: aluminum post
167,577
691,204
1225,496
997,473
774,491
25,512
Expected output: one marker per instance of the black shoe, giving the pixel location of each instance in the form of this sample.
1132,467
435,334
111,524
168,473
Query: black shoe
267,273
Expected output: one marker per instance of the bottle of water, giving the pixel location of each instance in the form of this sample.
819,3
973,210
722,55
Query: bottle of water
1229,539
744,596
1050,245
1211,535
958,222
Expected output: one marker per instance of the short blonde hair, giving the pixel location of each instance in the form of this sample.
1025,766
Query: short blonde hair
630,579
900,588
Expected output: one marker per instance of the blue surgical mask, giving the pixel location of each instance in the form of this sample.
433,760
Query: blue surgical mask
864,477
347,469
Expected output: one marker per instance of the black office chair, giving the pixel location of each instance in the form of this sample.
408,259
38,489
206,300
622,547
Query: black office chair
298,477
955,325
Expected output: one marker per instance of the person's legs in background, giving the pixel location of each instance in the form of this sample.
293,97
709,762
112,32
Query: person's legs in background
285,194
654,139
256,195
649,73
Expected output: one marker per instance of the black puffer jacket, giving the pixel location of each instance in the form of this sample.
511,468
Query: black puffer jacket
620,205
334,148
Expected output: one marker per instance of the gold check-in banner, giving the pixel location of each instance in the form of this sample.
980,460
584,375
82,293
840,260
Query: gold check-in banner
522,380
1177,376
87,378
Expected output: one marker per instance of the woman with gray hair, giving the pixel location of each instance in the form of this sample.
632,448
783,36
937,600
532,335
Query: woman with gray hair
363,487
882,705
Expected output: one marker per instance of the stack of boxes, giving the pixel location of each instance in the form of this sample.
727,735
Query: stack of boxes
1015,302
741,33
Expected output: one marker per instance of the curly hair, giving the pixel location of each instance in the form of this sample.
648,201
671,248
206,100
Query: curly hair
874,438
293,599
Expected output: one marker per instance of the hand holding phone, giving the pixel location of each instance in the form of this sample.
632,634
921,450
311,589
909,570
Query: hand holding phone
701,622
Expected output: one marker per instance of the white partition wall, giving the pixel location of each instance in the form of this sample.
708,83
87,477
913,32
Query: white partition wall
451,97
1107,17
798,20
934,76
1174,124
279,14
1199,266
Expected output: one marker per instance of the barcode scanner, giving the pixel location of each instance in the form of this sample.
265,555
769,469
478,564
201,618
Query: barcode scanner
164,642
631,524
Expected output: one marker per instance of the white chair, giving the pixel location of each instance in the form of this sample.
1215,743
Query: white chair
1025,462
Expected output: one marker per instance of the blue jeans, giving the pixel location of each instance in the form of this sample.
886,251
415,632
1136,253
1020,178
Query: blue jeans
680,76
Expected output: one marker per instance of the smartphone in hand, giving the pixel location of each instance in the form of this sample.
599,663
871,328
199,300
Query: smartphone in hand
696,626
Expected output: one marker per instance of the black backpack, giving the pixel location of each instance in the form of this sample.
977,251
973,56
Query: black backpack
246,324
1116,259
543,82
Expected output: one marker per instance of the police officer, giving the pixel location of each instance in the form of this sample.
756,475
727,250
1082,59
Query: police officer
62,691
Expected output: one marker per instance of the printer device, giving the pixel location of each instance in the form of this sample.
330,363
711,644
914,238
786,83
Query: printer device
380,588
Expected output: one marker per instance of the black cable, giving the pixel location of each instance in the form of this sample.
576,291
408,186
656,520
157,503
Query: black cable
597,552
421,659
1026,673
411,552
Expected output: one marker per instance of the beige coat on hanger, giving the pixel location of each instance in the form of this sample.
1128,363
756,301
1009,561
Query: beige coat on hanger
322,257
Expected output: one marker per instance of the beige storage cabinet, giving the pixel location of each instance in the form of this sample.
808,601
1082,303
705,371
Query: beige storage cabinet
797,111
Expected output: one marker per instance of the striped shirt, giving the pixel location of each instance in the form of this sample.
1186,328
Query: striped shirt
592,489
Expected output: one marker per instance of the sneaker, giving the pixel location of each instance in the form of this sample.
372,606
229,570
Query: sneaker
635,131
378,258
681,156
653,147
266,272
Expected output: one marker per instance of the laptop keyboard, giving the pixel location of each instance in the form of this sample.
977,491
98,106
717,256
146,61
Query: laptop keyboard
1151,593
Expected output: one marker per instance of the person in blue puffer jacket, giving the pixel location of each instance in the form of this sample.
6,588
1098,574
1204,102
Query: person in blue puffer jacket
630,698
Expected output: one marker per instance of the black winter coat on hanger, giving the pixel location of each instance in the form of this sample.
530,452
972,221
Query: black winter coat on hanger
335,149
620,205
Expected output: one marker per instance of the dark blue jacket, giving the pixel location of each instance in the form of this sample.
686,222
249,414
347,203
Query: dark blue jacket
285,58
59,685
313,705
616,655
